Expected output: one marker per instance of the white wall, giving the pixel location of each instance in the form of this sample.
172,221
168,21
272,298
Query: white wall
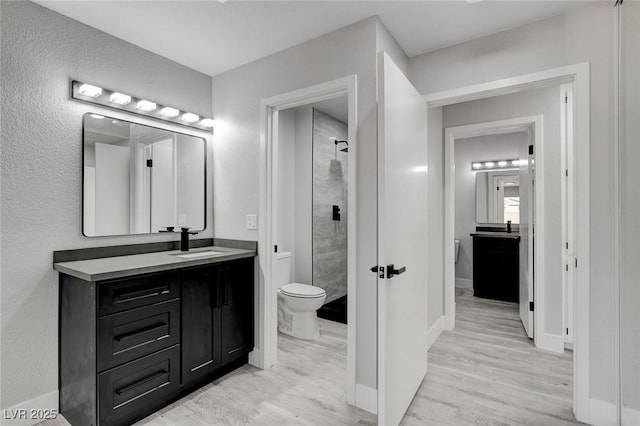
42,168
111,190
629,207
435,216
287,182
582,35
190,187
467,151
236,100
303,270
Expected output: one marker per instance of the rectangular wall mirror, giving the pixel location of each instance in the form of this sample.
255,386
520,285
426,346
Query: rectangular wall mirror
140,179
498,196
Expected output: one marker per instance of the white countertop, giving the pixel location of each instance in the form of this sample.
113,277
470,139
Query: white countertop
125,266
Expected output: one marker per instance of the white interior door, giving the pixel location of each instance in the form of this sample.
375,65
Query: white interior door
402,241
526,236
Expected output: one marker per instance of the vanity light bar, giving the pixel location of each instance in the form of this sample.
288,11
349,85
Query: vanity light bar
121,101
497,164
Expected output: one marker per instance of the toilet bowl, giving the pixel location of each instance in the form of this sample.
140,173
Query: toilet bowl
297,303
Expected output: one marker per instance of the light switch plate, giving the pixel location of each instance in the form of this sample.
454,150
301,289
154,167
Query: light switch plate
252,221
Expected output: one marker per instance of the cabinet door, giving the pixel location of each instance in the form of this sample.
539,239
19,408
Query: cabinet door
200,350
237,309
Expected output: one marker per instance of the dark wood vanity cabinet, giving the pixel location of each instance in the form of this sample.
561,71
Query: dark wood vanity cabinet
130,346
217,317
496,260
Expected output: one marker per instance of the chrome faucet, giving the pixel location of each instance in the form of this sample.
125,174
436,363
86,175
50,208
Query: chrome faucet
184,238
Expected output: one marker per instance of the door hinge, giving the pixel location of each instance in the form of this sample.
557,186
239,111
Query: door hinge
567,330
531,306
576,263
566,99
566,268
530,149
275,248
566,245
566,172
149,163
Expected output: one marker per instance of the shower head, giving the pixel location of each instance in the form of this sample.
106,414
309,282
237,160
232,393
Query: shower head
345,149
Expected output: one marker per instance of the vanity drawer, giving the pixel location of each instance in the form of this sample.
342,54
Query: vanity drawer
120,295
125,336
135,390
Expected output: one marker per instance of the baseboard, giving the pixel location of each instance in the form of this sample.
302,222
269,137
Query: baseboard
367,398
464,283
256,359
33,411
630,416
435,331
551,342
602,413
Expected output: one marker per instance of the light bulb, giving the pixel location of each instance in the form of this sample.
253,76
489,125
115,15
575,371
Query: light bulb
207,122
89,90
169,112
190,117
146,105
120,98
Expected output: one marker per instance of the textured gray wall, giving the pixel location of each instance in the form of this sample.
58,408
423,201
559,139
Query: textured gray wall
329,189
42,164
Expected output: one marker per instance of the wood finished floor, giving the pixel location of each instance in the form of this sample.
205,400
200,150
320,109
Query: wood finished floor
487,372
484,372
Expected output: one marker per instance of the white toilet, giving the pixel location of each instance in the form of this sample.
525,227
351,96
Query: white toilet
297,303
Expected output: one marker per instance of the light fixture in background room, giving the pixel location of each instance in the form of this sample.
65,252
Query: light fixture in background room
89,93
497,165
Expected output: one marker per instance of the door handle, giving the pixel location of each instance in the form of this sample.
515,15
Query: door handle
391,271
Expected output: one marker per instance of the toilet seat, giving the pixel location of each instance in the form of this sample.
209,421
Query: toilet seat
304,291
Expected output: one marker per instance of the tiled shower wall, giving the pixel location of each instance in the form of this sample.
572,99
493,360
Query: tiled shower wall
329,189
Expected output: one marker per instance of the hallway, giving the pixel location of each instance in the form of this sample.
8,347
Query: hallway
487,372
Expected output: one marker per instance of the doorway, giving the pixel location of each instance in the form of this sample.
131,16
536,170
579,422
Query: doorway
266,354
489,190
577,77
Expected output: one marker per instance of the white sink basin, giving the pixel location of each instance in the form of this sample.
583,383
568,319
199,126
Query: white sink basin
199,254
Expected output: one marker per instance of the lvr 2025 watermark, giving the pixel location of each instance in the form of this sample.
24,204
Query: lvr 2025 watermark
29,414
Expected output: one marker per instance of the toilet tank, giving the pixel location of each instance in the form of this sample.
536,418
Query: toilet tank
283,268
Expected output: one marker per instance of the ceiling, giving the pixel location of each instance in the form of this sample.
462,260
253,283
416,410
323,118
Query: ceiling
213,37
337,108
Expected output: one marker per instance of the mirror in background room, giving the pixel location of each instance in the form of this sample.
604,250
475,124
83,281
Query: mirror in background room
139,179
498,196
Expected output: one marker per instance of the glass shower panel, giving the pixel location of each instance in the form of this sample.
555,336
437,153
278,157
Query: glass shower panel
629,204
